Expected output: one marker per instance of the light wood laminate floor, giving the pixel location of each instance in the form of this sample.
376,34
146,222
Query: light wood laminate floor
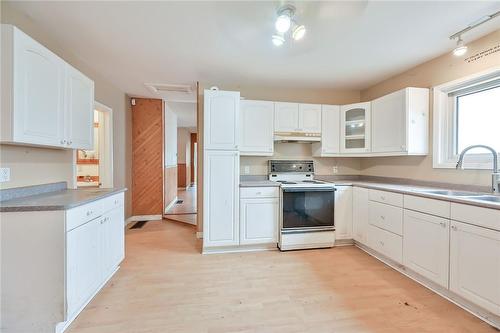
166,285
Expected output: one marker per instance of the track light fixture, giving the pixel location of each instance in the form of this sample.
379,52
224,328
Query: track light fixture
284,23
461,49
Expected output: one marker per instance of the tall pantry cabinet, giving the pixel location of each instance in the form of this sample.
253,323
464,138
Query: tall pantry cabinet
221,169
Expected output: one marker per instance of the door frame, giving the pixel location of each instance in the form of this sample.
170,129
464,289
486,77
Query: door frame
105,146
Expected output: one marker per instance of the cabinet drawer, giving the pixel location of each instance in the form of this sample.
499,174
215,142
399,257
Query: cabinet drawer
429,206
112,202
259,192
79,215
389,198
386,243
386,217
484,217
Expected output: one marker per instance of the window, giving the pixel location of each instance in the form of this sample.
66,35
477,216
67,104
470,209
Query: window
467,112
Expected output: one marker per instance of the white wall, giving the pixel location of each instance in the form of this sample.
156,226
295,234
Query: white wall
170,137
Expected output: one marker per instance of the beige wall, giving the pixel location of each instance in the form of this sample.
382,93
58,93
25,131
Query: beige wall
434,72
31,166
183,146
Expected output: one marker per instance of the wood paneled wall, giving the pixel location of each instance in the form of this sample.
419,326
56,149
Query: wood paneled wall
147,157
183,175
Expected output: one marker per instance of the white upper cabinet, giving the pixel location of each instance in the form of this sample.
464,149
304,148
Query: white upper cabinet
355,126
310,118
475,265
400,122
294,117
256,128
80,106
343,212
286,117
36,107
330,132
221,118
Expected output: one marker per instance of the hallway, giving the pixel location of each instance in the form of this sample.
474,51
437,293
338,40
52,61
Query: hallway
166,285
184,211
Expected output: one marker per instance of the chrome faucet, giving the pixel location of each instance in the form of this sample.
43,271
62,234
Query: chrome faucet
495,176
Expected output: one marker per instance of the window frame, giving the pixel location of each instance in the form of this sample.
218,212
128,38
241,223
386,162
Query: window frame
445,120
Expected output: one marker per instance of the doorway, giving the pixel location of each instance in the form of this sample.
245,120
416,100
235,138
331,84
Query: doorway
93,168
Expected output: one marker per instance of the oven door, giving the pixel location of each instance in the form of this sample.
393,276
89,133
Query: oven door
307,208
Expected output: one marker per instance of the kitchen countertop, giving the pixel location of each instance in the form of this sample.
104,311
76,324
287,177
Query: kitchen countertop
57,200
258,183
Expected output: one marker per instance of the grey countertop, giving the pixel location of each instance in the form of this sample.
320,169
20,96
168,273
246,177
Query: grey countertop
258,183
57,200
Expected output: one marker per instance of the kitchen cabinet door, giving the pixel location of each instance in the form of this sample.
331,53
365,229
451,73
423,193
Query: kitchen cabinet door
475,265
426,245
286,117
343,212
38,93
257,128
258,221
355,128
79,109
113,241
359,213
389,123
83,262
221,198
221,118
310,118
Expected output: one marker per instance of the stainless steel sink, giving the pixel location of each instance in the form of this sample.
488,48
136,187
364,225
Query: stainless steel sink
490,198
449,193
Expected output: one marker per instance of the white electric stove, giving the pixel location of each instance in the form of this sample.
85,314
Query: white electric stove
306,206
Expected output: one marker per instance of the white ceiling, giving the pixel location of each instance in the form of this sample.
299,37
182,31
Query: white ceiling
349,45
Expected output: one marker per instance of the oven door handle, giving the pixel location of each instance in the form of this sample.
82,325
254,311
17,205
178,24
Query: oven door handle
306,230
309,189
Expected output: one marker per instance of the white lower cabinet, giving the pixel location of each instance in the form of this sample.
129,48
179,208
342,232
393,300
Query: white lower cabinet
258,221
343,212
221,198
426,246
386,243
359,214
475,265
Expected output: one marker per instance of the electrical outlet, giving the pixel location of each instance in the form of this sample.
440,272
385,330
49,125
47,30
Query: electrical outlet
335,169
4,175
246,169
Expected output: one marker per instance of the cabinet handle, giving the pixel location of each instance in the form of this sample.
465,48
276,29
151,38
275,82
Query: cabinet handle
382,217
454,228
381,243
63,142
382,198
258,193
89,213
116,202
443,224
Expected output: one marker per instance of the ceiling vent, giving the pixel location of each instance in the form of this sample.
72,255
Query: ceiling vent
159,88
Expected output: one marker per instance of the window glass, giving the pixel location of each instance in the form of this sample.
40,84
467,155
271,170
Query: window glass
478,119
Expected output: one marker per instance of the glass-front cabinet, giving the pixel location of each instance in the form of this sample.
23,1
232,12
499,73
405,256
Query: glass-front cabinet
355,128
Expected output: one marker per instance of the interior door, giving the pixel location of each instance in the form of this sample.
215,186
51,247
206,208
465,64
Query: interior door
286,117
79,109
389,123
310,118
38,93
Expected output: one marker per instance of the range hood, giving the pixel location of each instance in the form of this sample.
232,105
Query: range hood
300,137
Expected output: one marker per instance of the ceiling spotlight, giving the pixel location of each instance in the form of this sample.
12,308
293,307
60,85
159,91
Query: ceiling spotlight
283,23
278,40
461,49
299,32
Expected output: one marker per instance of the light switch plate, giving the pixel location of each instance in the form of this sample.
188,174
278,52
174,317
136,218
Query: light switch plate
4,175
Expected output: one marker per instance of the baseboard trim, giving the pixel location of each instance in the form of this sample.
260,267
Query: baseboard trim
136,218
240,248
468,306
